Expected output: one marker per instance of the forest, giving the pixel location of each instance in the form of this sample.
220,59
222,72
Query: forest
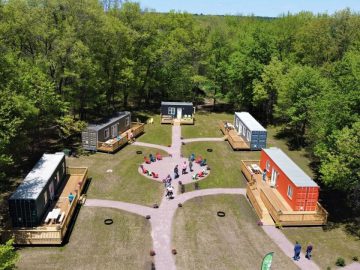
64,62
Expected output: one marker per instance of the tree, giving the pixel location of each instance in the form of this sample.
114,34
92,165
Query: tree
8,256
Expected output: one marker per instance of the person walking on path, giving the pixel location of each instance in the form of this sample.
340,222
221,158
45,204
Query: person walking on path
176,172
184,168
297,250
308,251
190,166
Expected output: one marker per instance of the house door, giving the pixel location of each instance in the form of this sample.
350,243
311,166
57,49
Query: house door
274,176
179,113
240,129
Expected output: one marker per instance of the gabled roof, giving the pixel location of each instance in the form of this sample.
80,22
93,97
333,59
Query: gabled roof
250,121
38,177
289,167
105,122
168,103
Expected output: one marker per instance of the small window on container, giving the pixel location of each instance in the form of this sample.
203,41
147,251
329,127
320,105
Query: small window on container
290,192
248,136
171,110
45,197
58,177
237,122
268,165
127,121
106,133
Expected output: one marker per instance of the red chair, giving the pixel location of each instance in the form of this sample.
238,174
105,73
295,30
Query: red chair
155,175
158,156
201,174
147,160
143,169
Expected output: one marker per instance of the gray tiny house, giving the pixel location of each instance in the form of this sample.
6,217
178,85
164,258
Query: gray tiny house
105,130
181,111
29,203
250,130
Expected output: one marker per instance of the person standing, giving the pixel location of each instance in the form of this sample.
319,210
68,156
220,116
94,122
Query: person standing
190,166
184,168
176,172
297,250
308,251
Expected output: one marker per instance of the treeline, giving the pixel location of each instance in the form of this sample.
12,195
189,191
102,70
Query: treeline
62,61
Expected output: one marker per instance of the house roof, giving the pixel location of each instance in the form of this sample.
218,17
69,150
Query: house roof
167,103
250,121
105,122
289,167
38,177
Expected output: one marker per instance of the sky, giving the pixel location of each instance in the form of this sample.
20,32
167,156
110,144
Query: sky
266,8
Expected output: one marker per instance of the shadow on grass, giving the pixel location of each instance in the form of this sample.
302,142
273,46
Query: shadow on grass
293,141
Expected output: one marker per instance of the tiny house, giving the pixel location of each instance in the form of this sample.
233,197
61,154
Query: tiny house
29,203
294,185
97,134
178,111
250,130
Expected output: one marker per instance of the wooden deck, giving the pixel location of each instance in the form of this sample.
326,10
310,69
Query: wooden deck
54,233
267,200
165,119
115,144
236,141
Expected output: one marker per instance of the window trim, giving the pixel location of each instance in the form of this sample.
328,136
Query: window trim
113,131
267,165
290,192
171,110
127,121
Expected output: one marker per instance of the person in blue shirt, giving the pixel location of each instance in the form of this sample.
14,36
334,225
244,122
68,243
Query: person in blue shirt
71,197
297,250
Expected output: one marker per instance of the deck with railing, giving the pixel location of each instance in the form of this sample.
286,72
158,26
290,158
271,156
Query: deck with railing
235,140
114,144
53,233
168,119
266,199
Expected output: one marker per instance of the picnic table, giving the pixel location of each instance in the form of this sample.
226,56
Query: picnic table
256,168
53,215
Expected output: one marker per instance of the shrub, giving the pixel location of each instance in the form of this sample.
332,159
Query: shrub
340,262
355,258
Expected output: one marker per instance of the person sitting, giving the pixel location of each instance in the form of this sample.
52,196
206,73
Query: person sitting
204,171
130,136
155,175
152,158
147,161
198,159
195,176
158,156
71,197
203,162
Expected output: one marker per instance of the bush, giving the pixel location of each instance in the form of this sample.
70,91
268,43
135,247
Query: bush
340,262
355,258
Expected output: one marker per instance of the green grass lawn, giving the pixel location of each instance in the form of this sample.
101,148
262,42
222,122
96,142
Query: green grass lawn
93,245
328,244
156,133
205,241
124,183
206,125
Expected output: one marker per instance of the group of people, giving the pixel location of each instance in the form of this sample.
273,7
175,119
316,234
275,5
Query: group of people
297,251
184,169
169,187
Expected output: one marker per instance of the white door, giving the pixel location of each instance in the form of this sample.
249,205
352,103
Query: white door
274,176
179,113
240,129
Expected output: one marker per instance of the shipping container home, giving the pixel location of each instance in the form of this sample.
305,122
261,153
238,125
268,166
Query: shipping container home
177,112
250,130
110,134
277,187
29,203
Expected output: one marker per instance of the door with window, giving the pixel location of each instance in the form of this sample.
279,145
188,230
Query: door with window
179,113
113,131
274,176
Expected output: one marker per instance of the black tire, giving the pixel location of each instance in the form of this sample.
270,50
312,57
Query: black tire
139,152
108,221
221,214
209,150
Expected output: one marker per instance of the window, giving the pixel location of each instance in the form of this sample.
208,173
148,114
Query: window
237,122
268,165
127,121
290,192
248,135
106,133
45,197
58,176
171,110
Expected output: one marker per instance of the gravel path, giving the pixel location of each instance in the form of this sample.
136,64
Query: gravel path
162,218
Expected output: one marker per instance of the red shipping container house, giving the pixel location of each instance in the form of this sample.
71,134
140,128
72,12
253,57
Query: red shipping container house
295,186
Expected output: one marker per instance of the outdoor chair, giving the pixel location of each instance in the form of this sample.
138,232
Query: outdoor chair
198,159
200,174
158,156
155,175
203,163
152,158
144,171
147,161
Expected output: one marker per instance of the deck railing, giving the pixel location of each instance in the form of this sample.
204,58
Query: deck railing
251,196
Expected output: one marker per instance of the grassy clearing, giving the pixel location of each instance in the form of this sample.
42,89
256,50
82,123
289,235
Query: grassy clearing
156,133
124,183
328,244
206,125
205,241
123,245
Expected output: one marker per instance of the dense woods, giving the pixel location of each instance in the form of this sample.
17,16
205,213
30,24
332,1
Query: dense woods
64,61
